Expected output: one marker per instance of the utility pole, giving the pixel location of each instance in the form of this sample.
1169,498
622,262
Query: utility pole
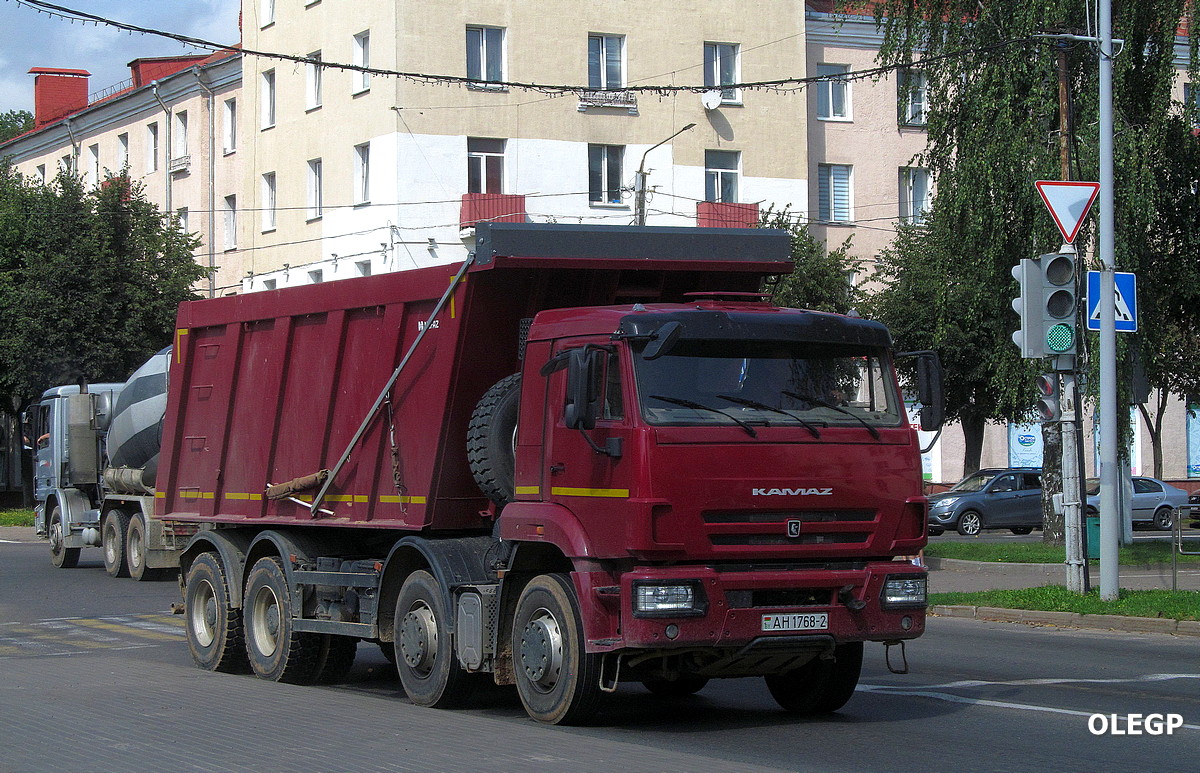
1109,522
642,176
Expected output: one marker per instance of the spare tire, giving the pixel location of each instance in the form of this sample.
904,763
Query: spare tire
492,440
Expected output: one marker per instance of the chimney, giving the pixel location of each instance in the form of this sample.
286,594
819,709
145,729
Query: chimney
57,93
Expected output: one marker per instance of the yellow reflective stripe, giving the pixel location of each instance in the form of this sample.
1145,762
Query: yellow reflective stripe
352,498
243,496
529,490
179,334
160,495
589,492
392,499
196,495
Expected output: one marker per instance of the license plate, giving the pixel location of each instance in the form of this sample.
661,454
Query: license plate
794,622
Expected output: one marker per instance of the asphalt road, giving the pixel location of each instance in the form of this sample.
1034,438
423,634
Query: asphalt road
96,676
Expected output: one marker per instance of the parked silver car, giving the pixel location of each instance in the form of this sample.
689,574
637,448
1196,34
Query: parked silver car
1154,502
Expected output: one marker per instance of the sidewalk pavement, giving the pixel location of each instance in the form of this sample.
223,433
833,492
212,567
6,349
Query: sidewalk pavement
948,574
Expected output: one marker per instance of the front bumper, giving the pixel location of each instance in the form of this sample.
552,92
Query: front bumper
741,607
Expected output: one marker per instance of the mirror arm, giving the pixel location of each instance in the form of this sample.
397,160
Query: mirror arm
612,446
932,442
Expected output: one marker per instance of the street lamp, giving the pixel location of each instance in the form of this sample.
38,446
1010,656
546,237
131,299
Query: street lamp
640,181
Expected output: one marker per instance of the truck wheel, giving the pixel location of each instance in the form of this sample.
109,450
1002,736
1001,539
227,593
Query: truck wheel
558,680
337,658
492,439
214,628
676,688
112,540
425,657
135,550
60,555
277,651
819,686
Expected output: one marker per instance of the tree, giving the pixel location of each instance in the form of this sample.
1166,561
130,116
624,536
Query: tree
89,282
992,122
13,123
821,279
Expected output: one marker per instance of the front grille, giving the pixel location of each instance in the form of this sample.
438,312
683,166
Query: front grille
788,528
801,597
783,539
783,516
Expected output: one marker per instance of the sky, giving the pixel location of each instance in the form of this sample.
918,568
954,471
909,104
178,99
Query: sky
32,39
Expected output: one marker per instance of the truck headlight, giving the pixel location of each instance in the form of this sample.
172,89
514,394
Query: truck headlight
669,599
903,591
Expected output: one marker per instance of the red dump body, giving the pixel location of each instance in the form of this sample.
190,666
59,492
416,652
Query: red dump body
269,387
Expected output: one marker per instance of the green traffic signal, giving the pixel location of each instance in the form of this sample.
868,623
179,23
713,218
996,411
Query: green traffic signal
1060,338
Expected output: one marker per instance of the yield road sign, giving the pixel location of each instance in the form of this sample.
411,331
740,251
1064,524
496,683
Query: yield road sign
1068,202
1125,300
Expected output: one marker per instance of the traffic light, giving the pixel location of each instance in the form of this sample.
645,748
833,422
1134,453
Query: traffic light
1058,303
1049,405
1028,335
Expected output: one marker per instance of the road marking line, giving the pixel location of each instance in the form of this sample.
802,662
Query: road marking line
127,628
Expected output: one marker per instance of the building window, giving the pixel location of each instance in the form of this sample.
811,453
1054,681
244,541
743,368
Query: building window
485,55
721,69
363,267
229,126
123,151
266,13
914,194
362,173
362,58
231,222
66,164
910,98
721,176
152,147
605,62
485,165
41,173
268,201
604,173
93,167
267,100
179,135
313,81
316,207
833,93
833,193
181,217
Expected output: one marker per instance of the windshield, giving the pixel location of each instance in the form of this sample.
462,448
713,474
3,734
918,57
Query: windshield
757,383
974,482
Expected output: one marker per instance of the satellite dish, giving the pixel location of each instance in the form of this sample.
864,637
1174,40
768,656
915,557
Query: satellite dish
711,100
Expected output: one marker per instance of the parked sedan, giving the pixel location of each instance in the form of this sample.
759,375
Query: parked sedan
1008,498
1154,502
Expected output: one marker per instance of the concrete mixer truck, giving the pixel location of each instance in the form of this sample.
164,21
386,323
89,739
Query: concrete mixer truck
585,456
96,452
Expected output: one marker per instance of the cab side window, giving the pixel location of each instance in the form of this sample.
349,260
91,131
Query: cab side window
614,404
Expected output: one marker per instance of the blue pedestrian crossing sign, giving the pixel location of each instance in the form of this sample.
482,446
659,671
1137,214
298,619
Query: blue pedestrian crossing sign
1125,300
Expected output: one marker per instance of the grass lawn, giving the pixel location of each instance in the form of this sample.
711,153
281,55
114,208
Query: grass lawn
16,517
1181,605
1038,553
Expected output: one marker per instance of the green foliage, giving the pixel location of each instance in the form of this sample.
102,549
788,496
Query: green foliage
992,131
1176,605
1138,554
16,517
821,281
13,123
89,282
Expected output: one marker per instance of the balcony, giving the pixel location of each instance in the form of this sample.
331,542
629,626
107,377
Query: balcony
179,164
491,208
714,214
625,100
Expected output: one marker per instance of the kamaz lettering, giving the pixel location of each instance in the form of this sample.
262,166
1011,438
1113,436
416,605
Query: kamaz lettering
791,492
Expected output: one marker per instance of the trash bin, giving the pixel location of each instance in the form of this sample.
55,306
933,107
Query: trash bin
1093,536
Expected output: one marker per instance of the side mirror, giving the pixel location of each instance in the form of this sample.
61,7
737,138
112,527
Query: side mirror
929,391
663,341
584,371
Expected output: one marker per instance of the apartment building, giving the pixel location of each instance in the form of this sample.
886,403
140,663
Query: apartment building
356,173
172,127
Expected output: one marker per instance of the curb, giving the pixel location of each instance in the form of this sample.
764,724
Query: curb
1071,619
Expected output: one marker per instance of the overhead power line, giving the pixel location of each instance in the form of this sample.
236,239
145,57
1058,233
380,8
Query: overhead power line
778,84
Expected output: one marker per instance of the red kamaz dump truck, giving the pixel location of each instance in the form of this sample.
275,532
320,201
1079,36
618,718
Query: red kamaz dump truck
586,456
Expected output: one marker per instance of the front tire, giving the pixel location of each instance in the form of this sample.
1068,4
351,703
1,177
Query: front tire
425,657
60,555
969,524
819,686
277,651
214,628
557,679
112,541
1164,518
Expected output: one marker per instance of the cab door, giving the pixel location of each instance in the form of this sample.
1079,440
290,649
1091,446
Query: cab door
588,470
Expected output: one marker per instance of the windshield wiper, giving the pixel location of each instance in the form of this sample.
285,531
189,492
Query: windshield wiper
702,407
764,407
809,398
